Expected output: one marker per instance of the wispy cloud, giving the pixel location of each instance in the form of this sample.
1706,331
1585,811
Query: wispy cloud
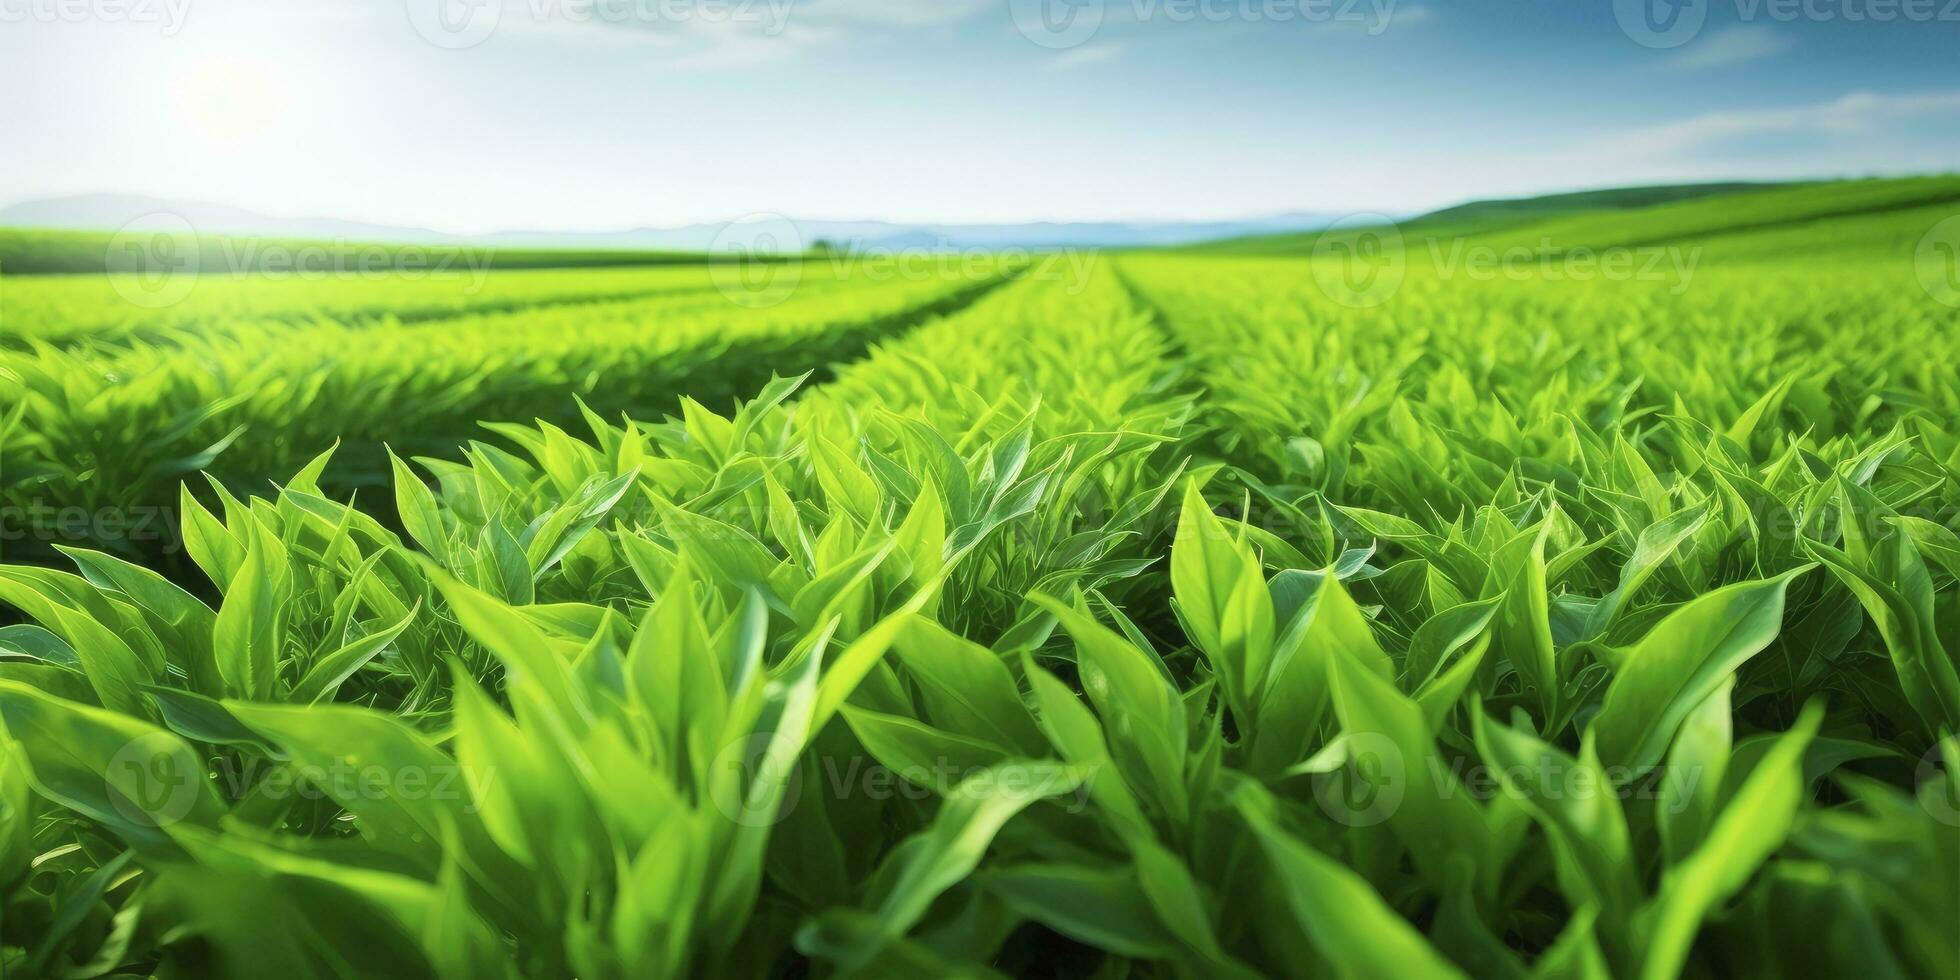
727,35
1733,46
696,37
1410,15
1088,54
1851,117
893,13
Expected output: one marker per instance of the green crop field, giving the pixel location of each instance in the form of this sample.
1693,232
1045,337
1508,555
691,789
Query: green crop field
1552,589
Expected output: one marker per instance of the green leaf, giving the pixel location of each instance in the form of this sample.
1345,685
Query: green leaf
416,506
1750,829
1679,663
1140,708
1336,909
1691,787
1294,706
195,716
1072,728
1222,598
1522,630
28,642
131,777
919,753
1575,955
675,676
1100,907
249,635
178,618
1893,586
115,672
946,852
323,679
1655,545
845,483
405,794
1579,808
966,687
1436,819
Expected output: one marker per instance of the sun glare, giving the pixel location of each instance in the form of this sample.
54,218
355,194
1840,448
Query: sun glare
228,101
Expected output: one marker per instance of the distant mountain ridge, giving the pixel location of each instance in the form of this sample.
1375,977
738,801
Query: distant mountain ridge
109,212
1495,213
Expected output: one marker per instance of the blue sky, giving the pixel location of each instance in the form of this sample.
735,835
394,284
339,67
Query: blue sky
598,114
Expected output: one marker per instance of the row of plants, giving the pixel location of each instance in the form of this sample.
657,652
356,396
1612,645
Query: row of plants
111,312
90,434
1474,635
637,545
1624,541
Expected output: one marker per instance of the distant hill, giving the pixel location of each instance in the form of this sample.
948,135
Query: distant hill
27,251
109,212
1477,216
1881,215
1867,217
1519,210
1749,213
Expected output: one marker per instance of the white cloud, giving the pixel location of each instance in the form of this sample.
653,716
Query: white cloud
893,13
1088,54
1410,16
724,33
1856,134
1855,115
1734,46
691,34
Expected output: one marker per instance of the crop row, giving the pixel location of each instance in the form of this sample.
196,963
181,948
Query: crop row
165,307
1178,622
115,430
